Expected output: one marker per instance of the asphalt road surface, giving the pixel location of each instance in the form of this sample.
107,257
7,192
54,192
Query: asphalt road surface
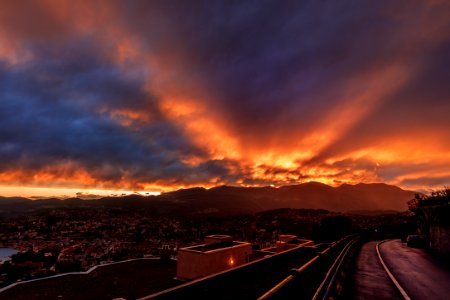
370,281
420,276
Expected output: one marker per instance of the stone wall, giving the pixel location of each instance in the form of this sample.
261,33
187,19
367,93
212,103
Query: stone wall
440,238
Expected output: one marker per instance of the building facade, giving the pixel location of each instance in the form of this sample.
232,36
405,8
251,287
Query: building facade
219,253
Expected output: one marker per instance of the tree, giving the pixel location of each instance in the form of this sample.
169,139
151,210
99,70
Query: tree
433,209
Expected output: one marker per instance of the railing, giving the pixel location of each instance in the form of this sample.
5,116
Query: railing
319,265
73,273
324,290
316,272
243,282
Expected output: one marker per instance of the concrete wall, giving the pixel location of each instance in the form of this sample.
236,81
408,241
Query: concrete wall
440,239
196,264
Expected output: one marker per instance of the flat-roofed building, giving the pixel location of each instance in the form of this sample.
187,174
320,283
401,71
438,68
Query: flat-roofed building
219,253
217,238
288,241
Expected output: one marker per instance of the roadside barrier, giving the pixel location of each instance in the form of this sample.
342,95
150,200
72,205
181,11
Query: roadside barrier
320,271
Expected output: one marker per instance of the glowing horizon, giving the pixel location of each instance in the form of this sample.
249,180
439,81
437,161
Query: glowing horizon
62,193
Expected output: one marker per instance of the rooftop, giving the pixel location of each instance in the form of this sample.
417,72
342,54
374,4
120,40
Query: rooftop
219,236
216,246
130,280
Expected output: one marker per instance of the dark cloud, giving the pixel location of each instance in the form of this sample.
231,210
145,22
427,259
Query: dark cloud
427,181
56,109
85,85
277,67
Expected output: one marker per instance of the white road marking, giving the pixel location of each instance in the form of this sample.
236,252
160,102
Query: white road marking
399,287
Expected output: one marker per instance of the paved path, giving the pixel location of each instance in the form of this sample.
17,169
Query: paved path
370,279
420,276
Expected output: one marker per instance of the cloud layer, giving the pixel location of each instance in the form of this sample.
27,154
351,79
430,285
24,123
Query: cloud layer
155,95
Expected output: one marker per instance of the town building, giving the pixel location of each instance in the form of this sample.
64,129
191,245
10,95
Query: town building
219,253
288,241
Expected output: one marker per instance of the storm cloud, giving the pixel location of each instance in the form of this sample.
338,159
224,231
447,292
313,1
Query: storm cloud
165,94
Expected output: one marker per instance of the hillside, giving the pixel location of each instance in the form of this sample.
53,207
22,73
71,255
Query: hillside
236,200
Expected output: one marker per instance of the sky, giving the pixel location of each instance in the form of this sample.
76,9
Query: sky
153,96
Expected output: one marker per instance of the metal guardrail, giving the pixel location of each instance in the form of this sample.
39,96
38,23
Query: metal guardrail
329,279
181,291
323,292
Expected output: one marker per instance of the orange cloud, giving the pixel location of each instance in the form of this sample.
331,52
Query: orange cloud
337,105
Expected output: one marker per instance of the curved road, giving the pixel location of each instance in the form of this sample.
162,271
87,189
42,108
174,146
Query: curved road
370,281
418,274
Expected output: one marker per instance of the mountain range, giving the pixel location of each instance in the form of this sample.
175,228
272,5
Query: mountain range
235,200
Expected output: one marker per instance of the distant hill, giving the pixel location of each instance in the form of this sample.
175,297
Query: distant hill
236,200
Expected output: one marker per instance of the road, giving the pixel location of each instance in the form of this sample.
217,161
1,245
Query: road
370,280
420,276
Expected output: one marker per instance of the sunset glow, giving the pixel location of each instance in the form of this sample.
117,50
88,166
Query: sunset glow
105,98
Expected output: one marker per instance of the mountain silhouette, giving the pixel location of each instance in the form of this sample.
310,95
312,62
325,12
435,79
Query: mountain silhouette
236,200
